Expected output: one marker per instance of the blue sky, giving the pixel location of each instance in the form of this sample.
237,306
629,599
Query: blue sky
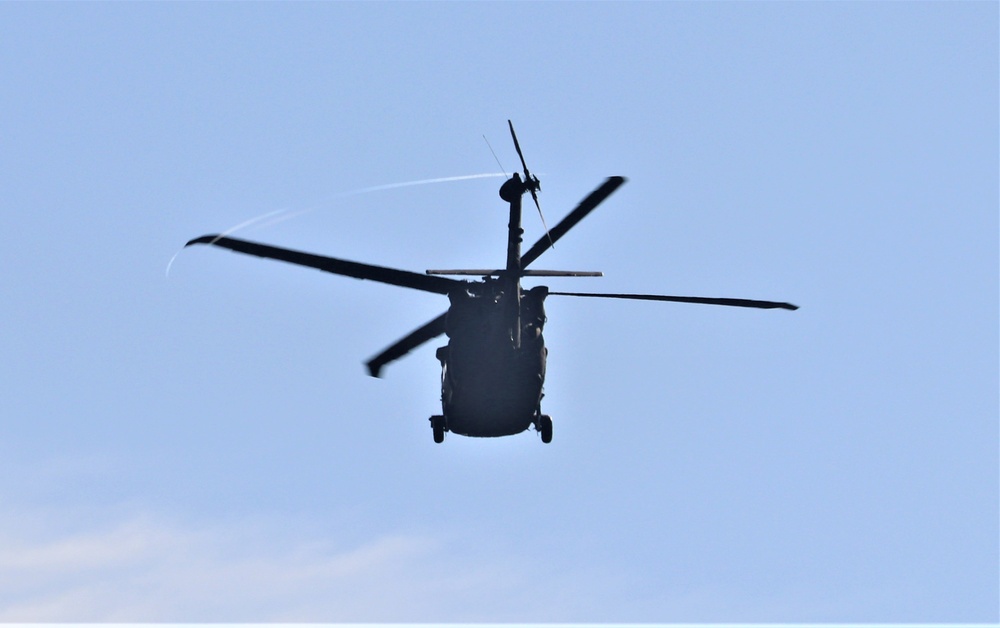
205,446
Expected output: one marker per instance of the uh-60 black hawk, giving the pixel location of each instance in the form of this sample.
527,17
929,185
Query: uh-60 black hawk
493,367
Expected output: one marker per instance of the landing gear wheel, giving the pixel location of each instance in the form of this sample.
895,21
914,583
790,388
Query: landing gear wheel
545,427
438,425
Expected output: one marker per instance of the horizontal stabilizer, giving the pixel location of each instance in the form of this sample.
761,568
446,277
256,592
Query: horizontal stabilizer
484,272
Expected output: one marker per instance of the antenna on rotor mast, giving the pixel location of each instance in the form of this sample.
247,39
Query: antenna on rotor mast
490,146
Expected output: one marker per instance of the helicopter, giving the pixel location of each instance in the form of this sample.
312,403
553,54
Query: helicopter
493,365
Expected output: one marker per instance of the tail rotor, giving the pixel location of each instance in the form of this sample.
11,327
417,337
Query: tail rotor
531,182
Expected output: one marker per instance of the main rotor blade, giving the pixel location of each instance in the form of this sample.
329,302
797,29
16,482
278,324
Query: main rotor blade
764,305
418,337
585,207
404,278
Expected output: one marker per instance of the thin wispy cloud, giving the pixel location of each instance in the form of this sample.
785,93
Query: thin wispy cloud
145,569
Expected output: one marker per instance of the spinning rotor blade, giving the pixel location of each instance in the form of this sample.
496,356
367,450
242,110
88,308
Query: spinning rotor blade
404,278
585,207
418,337
764,305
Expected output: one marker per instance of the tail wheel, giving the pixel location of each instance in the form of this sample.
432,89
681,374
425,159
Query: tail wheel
545,427
437,425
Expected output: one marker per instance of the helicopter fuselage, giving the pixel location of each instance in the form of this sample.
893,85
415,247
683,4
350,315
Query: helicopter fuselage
493,367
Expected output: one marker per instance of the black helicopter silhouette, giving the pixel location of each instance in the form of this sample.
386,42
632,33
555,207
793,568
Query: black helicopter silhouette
493,367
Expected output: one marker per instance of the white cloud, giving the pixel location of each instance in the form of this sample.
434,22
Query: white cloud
146,569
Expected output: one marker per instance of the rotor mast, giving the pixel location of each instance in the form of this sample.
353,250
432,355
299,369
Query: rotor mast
511,191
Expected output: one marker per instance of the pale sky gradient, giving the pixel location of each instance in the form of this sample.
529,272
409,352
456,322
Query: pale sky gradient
207,446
